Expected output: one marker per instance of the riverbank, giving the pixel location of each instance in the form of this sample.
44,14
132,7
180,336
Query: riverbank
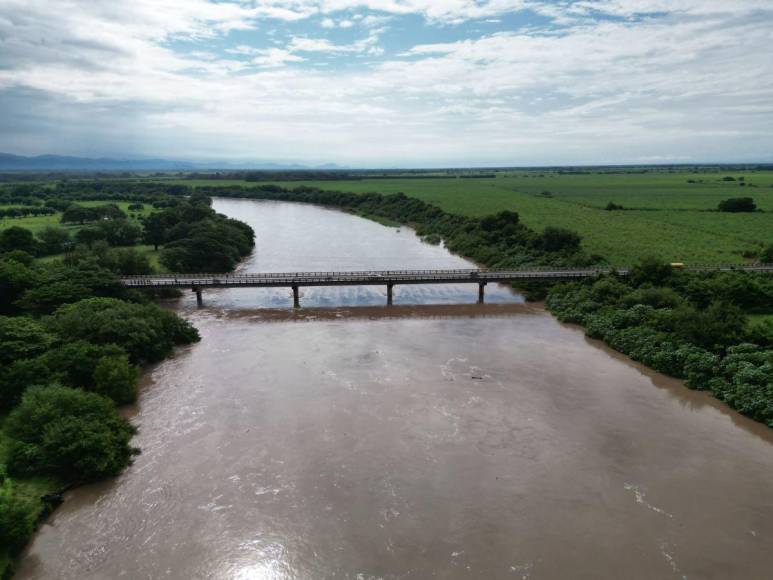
343,441
72,342
703,341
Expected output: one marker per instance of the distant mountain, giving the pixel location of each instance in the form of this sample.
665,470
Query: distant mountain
10,162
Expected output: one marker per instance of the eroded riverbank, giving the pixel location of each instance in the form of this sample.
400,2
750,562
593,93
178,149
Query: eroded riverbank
416,442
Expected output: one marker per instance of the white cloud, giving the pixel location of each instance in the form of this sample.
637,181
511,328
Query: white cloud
695,82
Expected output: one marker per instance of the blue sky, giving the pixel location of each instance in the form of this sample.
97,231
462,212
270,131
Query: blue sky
390,82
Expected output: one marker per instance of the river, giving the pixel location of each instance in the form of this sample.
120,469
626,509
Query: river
433,439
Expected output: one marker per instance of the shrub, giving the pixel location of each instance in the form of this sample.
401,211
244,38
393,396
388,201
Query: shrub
66,432
145,331
737,205
21,337
16,523
116,378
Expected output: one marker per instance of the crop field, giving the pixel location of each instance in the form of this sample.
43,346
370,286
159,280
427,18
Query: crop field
670,215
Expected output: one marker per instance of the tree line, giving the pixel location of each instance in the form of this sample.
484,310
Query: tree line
72,342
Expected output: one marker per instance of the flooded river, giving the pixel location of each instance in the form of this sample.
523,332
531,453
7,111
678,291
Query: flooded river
433,439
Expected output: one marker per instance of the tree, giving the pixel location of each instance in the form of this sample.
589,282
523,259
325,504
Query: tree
120,232
767,255
67,432
53,240
73,362
15,279
737,205
155,229
21,337
145,331
45,298
650,271
18,376
558,240
116,378
16,238
90,235
17,520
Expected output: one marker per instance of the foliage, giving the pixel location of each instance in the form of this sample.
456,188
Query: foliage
53,240
16,523
146,331
17,238
22,337
67,432
690,326
116,378
737,205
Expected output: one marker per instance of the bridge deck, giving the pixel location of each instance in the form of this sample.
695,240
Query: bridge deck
388,277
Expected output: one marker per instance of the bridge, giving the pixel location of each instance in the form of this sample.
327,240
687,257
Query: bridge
389,278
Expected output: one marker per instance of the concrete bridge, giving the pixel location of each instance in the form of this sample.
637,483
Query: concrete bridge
389,278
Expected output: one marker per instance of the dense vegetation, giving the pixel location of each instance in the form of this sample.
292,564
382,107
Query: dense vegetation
72,340
687,325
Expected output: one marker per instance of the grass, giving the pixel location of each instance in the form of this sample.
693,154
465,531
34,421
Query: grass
666,216
38,223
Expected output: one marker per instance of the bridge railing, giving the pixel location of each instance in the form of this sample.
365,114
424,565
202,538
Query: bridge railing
394,276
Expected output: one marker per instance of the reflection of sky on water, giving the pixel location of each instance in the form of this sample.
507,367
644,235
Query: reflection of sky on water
300,237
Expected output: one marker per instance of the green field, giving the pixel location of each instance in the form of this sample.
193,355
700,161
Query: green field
665,215
37,223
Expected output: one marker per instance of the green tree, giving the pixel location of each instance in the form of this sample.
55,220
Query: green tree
67,432
116,378
15,279
146,331
53,240
16,377
155,230
737,205
17,520
21,337
73,362
650,271
558,240
16,238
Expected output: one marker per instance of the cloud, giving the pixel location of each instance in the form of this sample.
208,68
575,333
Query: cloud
607,81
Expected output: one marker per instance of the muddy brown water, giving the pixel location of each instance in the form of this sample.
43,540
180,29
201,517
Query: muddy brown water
429,440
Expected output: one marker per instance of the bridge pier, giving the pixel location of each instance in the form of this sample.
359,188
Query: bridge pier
389,294
199,297
296,297
481,292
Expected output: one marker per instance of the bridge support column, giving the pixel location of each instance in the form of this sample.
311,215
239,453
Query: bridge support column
199,297
296,297
390,294
481,292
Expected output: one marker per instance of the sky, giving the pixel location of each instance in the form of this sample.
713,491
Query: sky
390,83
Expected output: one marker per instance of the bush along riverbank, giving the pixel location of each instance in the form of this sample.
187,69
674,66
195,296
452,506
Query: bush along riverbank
690,326
72,343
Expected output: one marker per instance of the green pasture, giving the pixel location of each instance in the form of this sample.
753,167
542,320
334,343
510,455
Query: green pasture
669,217
37,223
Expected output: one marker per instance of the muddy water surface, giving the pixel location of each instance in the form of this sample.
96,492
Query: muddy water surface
423,441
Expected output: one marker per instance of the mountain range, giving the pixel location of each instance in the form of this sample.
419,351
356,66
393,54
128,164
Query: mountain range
9,162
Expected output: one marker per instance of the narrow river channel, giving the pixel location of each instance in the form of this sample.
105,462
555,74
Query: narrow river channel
426,440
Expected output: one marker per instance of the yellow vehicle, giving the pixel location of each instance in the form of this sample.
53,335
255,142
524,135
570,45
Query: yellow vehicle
677,265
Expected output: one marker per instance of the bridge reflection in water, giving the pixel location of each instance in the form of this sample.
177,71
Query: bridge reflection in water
389,278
